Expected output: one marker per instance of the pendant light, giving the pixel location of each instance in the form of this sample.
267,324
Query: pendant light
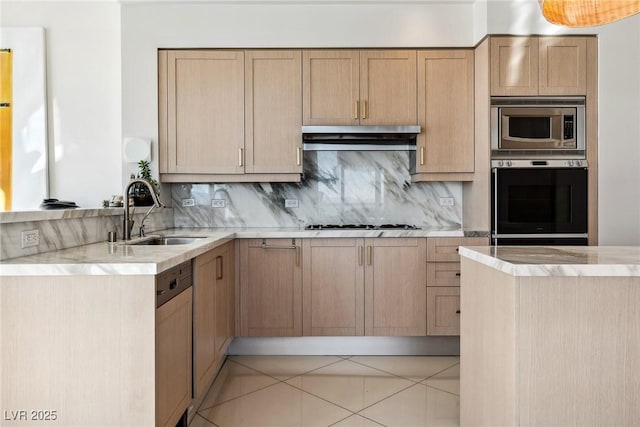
587,13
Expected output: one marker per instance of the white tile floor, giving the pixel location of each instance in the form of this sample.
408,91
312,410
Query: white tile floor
362,391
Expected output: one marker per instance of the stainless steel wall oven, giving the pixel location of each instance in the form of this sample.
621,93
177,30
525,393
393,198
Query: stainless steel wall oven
539,202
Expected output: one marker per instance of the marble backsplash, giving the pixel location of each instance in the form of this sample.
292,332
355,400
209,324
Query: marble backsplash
337,188
71,227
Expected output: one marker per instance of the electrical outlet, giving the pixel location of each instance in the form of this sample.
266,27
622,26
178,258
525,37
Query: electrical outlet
218,203
446,201
188,202
291,203
30,238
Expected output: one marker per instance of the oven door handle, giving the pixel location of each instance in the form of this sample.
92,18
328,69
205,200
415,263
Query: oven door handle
494,171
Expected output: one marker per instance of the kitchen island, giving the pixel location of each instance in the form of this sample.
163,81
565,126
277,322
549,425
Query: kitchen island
550,336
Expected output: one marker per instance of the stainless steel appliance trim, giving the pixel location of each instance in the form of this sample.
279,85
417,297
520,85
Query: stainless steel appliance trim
537,101
541,236
495,202
403,129
355,146
539,163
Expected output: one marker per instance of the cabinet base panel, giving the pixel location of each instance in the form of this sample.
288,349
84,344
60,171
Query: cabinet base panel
347,346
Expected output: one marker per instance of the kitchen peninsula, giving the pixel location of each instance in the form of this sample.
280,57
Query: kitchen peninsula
550,336
78,324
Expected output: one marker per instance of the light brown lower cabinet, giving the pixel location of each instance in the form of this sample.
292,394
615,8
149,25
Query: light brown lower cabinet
214,313
270,288
395,293
364,286
443,310
173,358
333,287
443,282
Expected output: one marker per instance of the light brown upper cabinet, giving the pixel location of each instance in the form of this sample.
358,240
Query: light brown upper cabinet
273,111
445,147
351,87
230,116
531,66
204,112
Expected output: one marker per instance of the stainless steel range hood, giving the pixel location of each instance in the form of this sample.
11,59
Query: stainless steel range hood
359,138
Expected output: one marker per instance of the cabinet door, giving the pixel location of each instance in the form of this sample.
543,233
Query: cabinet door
173,358
330,87
388,87
514,66
205,112
333,287
445,110
204,321
395,287
270,288
563,66
221,300
443,274
273,111
443,310
445,249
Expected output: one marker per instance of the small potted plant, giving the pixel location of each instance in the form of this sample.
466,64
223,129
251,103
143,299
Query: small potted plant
141,194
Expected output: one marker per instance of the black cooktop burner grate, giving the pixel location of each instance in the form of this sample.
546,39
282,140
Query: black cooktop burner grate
361,227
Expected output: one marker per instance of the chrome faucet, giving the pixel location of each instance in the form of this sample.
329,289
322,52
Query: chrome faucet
128,223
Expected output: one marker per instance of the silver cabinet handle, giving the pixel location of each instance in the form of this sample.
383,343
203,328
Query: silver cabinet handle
360,251
240,156
293,245
298,156
369,255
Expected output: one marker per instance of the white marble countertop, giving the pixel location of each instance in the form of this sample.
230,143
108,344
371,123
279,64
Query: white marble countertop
119,258
558,260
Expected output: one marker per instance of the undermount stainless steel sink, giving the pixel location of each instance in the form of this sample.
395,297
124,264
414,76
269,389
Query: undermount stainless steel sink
172,240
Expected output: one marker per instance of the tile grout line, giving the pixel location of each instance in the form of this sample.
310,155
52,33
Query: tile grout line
206,419
242,395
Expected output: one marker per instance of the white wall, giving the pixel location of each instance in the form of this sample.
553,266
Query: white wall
618,115
83,94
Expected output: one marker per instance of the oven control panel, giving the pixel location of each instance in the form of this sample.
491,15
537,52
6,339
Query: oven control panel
516,163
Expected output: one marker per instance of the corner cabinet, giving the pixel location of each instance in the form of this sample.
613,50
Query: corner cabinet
213,313
270,288
230,115
352,87
531,66
445,147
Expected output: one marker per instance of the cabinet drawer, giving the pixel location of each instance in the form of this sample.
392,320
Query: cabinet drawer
443,310
446,248
443,274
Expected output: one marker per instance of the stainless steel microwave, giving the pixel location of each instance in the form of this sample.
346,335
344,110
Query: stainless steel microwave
538,128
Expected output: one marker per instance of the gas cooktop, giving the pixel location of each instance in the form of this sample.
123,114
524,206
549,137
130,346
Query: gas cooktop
361,227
